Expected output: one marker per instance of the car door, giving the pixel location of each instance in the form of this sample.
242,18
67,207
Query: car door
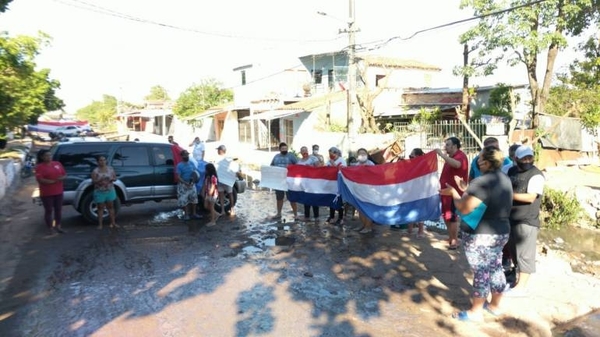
78,160
164,171
132,167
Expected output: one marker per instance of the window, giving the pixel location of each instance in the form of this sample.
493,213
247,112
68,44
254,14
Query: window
80,156
330,80
288,126
317,76
244,127
131,156
379,78
162,156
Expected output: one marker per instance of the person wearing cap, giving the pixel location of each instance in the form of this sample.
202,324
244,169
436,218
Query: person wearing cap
456,163
187,196
511,155
336,160
528,187
227,163
284,159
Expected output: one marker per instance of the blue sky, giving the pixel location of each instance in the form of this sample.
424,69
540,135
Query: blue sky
94,54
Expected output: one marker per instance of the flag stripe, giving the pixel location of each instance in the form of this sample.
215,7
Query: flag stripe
392,173
394,194
312,185
328,173
314,199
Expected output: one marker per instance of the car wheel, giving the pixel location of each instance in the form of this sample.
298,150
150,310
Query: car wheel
89,209
226,204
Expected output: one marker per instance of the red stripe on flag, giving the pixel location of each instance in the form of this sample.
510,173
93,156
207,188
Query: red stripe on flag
392,173
302,171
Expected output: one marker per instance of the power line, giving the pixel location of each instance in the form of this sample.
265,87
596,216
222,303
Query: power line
83,5
382,42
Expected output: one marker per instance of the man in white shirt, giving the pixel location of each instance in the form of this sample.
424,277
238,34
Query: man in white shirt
197,149
226,164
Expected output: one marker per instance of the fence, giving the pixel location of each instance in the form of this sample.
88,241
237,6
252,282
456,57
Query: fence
434,134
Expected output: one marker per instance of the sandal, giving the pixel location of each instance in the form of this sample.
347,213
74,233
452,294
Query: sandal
366,230
339,222
495,313
464,317
330,221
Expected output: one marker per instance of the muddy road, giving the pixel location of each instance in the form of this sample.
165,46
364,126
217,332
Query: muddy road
247,276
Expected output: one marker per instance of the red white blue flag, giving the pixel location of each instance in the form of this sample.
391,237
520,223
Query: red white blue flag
313,186
394,193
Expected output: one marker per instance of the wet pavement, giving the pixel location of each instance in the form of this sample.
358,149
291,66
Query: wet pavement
247,276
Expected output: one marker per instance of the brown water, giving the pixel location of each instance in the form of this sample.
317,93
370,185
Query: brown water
580,243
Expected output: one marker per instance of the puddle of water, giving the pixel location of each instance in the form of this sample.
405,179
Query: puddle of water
589,325
577,241
166,216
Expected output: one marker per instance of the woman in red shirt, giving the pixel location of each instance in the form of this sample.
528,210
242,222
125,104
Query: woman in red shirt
50,175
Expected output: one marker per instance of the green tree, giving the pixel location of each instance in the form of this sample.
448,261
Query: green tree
520,35
100,113
4,5
579,93
198,98
499,103
25,93
157,93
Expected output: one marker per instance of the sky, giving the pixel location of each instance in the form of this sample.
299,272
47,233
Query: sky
96,50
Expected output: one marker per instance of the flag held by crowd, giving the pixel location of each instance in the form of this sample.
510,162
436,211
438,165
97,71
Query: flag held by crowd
394,193
313,186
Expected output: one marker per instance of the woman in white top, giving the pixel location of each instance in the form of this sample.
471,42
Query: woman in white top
336,160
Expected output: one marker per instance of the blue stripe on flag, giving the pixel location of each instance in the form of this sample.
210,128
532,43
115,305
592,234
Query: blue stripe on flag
314,199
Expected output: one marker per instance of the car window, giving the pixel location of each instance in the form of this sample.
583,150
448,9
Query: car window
162,155
80,157
131,156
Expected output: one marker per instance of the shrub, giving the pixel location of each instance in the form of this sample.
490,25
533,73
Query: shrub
559,209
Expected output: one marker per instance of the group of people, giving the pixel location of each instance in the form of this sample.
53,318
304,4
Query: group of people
497,206
285,158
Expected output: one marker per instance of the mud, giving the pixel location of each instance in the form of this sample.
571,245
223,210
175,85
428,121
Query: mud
249,276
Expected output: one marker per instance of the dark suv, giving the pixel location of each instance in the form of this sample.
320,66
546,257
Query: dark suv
145,171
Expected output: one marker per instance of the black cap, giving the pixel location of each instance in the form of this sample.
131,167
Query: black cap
222,148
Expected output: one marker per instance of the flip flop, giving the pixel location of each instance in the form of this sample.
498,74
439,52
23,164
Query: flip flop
463,316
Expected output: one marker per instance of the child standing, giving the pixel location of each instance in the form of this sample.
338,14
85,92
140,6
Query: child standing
211,193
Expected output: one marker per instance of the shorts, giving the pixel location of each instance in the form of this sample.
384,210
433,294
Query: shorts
279,195
186,195
101,197
448,209
224,188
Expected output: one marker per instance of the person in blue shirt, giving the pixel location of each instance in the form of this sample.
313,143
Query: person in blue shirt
474,172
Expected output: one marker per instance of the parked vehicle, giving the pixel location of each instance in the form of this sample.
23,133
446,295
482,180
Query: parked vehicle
145,172
66,131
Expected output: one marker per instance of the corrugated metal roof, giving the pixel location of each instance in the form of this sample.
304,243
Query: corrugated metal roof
392,62
312,103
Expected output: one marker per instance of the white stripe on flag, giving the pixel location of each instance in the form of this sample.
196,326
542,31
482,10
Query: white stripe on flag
394,194
310,185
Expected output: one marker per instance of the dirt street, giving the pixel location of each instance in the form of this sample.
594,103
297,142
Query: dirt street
248,276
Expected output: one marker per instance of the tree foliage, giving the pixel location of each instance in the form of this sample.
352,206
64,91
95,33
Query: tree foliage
499,103
157,93
100,113
200,97
25,93
579,93
520,35
4,5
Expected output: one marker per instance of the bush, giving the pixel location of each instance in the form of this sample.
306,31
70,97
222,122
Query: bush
559,209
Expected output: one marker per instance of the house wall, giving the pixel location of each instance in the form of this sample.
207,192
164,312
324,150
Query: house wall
230,134
262,83
401,78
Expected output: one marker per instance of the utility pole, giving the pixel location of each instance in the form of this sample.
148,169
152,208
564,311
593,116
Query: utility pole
352,118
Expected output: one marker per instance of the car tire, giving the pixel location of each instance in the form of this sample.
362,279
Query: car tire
227,207
89,208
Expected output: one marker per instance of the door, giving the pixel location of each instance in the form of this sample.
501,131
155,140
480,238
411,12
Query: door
164,171
132,166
